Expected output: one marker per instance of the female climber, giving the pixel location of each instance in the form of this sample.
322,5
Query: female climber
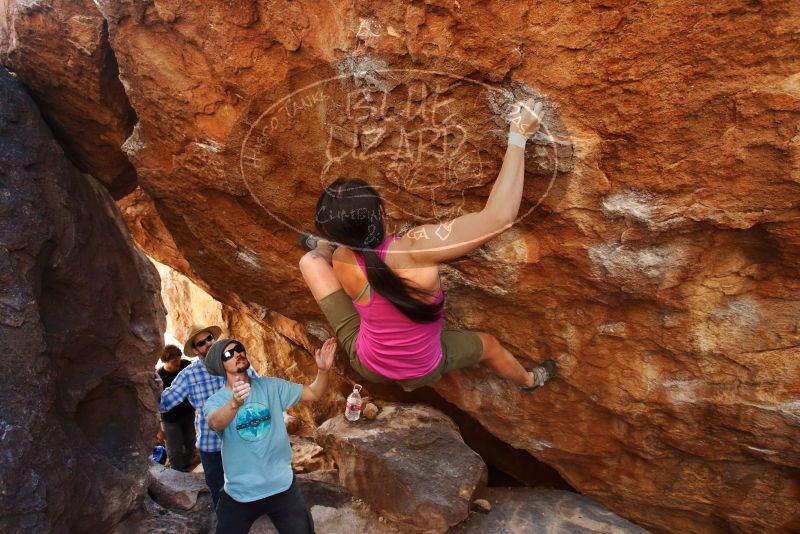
382,294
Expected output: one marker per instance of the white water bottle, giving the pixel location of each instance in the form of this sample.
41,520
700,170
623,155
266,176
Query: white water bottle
353,409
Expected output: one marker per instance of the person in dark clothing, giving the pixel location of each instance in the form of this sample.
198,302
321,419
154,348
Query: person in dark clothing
178,423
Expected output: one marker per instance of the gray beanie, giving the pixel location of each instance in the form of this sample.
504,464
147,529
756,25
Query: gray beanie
213,359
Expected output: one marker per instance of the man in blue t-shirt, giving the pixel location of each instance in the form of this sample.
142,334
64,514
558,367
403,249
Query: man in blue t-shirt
247,414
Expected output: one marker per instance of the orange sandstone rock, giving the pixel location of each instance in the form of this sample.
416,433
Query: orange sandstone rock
656,258
60,51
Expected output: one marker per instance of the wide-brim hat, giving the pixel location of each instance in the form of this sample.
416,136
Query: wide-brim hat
188,347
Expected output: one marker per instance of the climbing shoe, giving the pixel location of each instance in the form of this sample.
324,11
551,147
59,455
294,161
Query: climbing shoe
541,374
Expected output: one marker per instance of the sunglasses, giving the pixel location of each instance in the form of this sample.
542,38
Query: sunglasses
230,353
202,342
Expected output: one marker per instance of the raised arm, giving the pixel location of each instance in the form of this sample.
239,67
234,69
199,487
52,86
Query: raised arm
433,243
324,358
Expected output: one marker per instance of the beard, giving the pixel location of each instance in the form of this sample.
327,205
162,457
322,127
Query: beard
242,365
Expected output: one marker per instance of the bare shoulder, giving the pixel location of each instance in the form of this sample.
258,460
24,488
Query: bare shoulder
403,251
347,271
345,265
402,261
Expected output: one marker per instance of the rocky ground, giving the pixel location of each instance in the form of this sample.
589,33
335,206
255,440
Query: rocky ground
406,470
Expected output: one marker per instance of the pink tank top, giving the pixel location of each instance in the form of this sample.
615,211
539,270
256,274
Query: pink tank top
391,344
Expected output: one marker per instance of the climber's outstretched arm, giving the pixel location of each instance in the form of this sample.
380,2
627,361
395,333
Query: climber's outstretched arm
434,243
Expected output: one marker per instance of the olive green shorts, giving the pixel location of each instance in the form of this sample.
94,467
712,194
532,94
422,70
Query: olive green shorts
460,348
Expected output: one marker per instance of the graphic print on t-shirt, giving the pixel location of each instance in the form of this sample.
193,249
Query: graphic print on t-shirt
253,421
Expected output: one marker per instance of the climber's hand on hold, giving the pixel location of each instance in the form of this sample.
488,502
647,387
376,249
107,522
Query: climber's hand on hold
431,244
526,118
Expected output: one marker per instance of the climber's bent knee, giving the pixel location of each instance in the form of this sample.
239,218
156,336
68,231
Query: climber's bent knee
313,262
319,276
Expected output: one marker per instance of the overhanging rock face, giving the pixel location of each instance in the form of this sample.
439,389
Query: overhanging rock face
657,255
81,324
60,51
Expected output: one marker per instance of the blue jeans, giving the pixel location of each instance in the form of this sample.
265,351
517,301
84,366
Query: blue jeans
215,476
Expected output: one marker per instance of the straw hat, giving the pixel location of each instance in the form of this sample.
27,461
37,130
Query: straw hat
188,347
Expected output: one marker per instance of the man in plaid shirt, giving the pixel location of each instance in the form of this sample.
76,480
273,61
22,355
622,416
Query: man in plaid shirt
196,383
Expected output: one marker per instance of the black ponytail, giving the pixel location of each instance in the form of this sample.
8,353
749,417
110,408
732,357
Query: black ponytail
349,212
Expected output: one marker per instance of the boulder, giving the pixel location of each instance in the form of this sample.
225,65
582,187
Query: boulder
307,456
319,492
60,51
538,511
152,518
175,489
81,325
409,464
482,505
329,476
657,252
293,424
